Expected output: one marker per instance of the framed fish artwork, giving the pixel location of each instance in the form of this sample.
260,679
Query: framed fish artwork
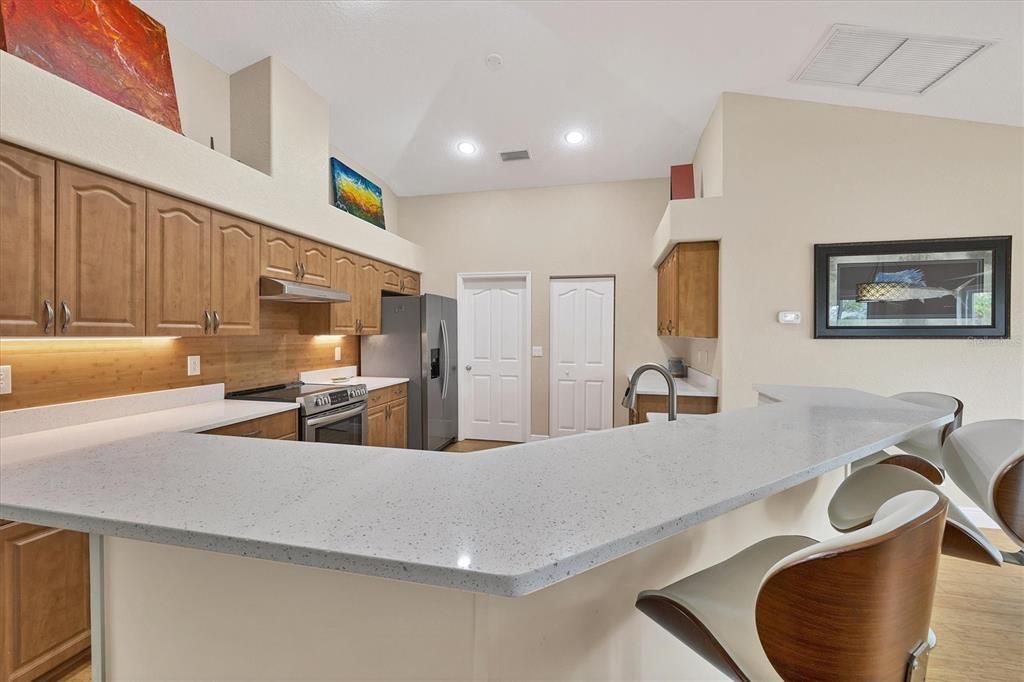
109,47
356,195
938,288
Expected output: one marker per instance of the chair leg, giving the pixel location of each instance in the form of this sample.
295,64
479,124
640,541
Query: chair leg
1014,557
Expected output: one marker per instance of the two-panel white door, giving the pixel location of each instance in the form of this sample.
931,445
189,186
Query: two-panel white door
582,354
494,347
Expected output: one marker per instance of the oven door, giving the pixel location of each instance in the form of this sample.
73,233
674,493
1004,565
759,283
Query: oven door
344,426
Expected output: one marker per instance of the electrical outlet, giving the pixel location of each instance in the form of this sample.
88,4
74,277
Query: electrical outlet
337,353
538,351
193,365
5,379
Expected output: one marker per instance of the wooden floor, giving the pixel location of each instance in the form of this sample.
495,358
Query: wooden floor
978,616
475,445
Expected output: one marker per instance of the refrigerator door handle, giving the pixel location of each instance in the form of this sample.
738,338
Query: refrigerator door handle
445,378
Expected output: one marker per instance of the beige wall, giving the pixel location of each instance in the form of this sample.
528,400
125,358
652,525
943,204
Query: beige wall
598,229
204,97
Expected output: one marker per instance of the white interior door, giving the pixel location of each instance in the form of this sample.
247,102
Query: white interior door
582,354
494,312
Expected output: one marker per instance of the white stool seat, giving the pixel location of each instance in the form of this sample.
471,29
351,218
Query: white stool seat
723,596
859,497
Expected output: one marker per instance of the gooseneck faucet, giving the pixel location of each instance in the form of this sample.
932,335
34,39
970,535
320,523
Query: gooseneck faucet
629,400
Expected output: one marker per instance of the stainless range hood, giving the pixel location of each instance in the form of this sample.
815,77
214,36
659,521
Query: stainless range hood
272,289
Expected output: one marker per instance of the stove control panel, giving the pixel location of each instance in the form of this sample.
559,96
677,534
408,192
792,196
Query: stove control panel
340,397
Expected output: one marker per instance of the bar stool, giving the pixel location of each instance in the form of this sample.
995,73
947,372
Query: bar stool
922,452
853,607
984,459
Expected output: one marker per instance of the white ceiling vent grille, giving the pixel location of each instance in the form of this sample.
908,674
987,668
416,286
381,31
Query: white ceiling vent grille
862,57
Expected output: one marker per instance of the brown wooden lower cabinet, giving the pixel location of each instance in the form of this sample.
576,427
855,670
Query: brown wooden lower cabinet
44,601
281,426
659,403
388,417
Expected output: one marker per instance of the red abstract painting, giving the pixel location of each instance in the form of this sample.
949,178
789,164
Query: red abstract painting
109,47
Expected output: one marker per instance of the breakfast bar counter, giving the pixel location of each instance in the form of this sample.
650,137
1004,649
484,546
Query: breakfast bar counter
572,526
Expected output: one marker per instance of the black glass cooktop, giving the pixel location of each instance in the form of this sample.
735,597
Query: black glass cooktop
281,392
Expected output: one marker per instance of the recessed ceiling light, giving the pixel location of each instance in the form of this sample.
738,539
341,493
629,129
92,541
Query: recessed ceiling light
466,147
574,137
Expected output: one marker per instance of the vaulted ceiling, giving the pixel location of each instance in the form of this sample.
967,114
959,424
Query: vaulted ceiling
406,81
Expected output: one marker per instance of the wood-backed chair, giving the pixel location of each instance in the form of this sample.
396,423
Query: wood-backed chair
984,459
922,452
854,607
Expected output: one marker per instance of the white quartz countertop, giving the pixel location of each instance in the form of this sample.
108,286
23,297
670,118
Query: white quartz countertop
507,521
188,418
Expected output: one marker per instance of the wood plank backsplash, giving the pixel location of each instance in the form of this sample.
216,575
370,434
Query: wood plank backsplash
62,370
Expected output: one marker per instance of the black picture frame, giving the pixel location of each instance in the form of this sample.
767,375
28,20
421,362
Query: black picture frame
999,329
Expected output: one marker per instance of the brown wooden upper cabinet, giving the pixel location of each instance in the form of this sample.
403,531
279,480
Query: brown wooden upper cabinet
285,256
410,283
27,231
101,255
234,276
202,271
44,601
315,266
367,296
178,267
391,278
688,291
345,276
279,254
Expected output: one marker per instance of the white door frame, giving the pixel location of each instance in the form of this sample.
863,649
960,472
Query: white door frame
551,362
460,287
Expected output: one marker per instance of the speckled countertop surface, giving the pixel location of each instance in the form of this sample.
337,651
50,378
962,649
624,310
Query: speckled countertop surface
508,521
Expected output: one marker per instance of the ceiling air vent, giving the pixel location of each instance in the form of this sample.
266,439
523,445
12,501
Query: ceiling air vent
872,59
518,155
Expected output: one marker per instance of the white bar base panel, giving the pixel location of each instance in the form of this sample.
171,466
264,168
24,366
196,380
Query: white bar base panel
178,613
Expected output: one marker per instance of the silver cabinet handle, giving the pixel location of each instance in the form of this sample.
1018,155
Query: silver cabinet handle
302,271
207,321
251,434
216,322
65,310
298,271
48,311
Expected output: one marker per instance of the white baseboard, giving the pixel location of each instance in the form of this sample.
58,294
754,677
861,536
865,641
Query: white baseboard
537,436
979,518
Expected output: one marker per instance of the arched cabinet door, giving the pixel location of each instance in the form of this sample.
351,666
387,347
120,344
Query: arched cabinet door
26,243
178,268
101,255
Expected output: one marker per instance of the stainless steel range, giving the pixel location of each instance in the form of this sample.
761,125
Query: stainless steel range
327,413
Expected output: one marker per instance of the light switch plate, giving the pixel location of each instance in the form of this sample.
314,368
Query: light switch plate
538,351
5,379
193,365
337,353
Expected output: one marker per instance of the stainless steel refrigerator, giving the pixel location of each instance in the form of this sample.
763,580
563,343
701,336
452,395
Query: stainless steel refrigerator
419,341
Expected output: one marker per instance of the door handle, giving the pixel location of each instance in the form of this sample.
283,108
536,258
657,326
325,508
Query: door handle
48,311
216,322
65,310
207,321
469,367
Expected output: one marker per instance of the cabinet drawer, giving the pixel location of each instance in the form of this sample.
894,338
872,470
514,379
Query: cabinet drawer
283,426
386,395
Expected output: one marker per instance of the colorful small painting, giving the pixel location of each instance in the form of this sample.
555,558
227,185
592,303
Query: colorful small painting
109,47
356,195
